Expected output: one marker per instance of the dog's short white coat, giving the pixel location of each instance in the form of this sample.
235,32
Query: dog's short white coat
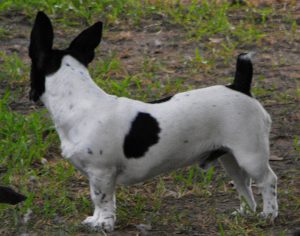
92,126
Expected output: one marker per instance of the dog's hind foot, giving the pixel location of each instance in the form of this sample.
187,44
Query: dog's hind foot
269,215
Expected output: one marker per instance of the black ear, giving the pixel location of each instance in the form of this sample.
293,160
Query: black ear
41,39
83,46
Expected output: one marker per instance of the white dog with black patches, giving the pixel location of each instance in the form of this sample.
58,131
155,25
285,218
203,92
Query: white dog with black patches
116,140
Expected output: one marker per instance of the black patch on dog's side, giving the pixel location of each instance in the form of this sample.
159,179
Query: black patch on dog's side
8,195
161,100
142,135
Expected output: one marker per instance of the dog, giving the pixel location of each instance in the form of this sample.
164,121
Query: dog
116,140
9,196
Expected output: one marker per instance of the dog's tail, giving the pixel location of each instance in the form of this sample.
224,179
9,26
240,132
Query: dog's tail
243,74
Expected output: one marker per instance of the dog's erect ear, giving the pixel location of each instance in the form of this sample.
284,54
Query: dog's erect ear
41,39
83,46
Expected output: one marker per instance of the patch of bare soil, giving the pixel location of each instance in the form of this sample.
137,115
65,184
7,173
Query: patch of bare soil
277,60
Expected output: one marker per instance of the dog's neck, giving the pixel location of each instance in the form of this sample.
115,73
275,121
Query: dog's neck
71,94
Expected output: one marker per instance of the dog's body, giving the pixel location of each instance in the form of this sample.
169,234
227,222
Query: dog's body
92,125
116,140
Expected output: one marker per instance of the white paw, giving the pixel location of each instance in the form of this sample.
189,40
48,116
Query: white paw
271,214
105,223
238,212
89,221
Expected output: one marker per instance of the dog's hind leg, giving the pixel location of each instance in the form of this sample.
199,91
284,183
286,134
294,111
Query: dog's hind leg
268,185
256,164
242,182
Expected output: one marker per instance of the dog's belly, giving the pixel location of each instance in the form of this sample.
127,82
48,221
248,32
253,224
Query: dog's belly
135,172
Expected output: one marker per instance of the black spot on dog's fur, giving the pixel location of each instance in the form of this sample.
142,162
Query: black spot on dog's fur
101,152
273,186
89,151
142,135
103,196
161,100
185,141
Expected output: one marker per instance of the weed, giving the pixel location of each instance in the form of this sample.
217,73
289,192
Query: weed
12,70
4,33
199,62
296,143
264,14
221,230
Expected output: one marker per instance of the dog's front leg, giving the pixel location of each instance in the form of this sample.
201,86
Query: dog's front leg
102,186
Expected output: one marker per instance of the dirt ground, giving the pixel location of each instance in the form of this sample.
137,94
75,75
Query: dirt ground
277,60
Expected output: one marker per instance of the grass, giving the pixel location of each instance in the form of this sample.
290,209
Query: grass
22,148
4,33
30,159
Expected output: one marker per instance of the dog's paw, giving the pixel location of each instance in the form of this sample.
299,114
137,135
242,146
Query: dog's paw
89,221
269,215
237,212
105,223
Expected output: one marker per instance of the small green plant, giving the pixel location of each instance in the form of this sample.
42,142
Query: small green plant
296,143
13,70
3,33
199,60
221,230
207,175
264,13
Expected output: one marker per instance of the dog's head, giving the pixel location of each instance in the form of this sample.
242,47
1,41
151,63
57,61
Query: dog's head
45,60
